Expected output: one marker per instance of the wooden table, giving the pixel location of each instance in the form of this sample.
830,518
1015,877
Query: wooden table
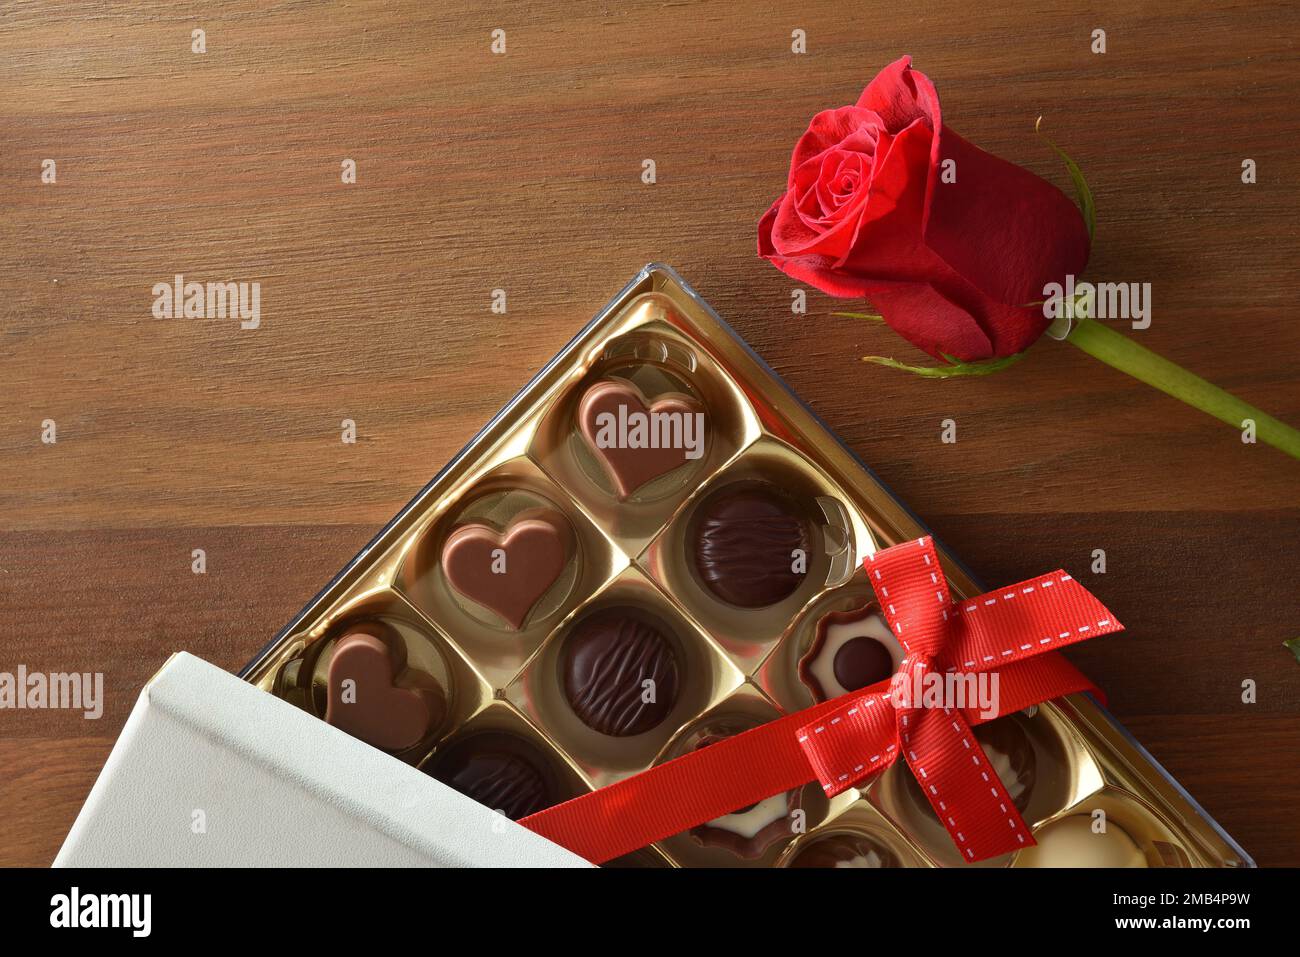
522,171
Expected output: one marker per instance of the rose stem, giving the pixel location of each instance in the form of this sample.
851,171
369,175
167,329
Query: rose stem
1120,352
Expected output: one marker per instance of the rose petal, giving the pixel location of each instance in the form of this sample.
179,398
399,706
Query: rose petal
931,321
849,127
843,180
882,241
798,228
1004,229
817,270
901,95
765,248
888,244
894,182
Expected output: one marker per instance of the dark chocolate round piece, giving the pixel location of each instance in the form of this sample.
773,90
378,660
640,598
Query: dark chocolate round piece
499,770
844,850
605,664
862,661
746,542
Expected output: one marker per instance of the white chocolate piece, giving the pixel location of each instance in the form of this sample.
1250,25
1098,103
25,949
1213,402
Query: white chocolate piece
870,859
1071,842
748,823
872,626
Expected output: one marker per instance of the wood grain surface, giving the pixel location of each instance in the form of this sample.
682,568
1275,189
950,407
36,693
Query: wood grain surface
522,171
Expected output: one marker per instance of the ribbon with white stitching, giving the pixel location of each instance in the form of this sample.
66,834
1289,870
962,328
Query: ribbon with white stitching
994,632
1014,631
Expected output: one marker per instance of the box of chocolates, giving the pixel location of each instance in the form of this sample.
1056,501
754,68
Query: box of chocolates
653,547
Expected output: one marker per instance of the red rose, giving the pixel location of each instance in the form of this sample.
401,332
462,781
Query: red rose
952,266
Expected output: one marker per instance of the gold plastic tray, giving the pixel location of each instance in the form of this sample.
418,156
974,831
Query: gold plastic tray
739,666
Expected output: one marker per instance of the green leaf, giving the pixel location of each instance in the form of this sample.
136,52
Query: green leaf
1086,204
1293,645
955,367
860,315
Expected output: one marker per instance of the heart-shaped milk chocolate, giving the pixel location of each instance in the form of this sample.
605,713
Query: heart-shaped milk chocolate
611,413
508,571
364,700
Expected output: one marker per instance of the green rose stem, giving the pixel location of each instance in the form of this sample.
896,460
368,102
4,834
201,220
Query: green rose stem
1117,351
1120,352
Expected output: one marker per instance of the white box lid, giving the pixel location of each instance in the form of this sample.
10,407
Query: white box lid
273,786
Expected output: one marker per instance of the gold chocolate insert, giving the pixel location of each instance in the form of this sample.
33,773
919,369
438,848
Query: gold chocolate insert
778,675
509,491
559,779
648,351
705,675
430,661
631,551
836,543
1063,772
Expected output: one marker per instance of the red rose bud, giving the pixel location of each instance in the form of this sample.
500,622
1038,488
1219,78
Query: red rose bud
950,243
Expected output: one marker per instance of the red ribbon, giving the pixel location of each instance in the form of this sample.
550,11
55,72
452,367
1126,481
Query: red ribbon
1012,633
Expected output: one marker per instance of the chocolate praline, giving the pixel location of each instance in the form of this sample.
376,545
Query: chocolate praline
747,543
361,694
1072,841
508,570
844,850
851,650
641,457
605,664
749,831
499,770
1011,755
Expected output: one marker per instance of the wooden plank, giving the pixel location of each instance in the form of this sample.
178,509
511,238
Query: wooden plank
522,172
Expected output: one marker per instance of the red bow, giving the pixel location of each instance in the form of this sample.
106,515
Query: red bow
1011,633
